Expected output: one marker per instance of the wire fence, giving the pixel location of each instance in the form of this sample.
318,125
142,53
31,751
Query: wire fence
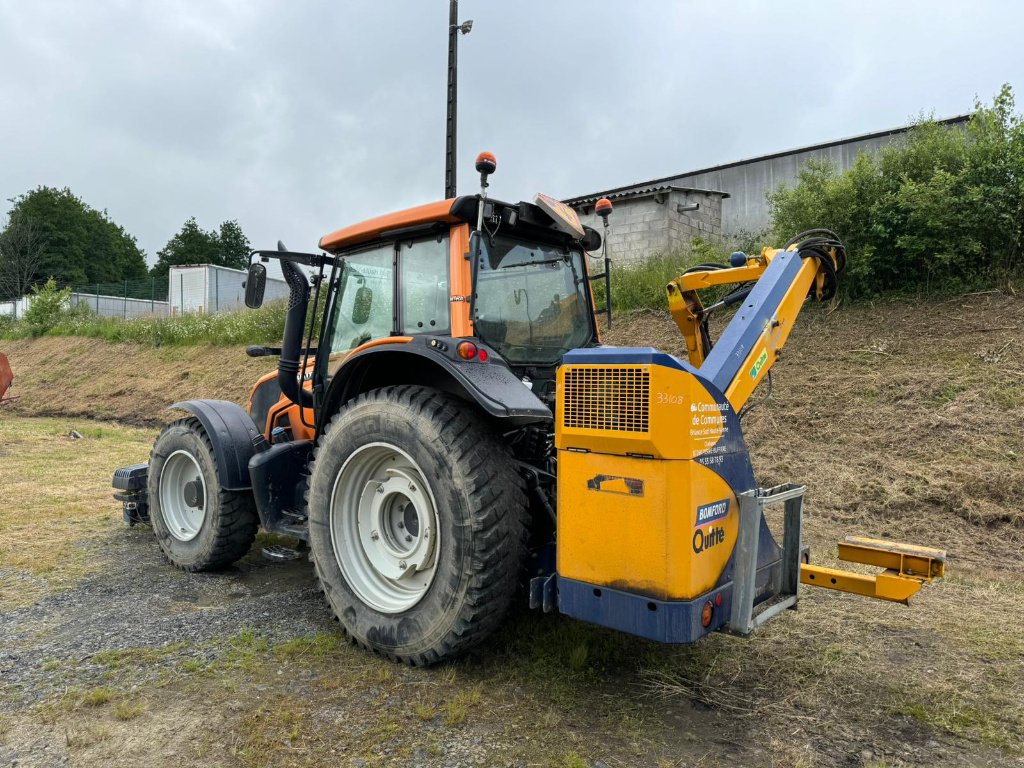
202,289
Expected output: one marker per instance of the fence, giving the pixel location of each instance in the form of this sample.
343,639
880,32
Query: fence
199,289
120,306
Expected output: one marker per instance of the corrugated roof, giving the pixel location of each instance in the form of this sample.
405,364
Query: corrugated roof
644,192
609,193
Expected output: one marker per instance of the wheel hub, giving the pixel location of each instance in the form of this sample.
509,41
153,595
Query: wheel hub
182,493
393,536
384,527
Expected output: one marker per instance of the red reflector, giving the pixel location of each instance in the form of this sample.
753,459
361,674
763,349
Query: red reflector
466,350
482,356
718,600
705,614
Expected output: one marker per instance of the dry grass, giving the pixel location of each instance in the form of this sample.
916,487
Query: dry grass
130,383
56,496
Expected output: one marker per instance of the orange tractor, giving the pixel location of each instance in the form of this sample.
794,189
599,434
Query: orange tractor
453,429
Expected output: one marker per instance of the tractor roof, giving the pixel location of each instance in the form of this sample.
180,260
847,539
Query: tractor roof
524,218
368,230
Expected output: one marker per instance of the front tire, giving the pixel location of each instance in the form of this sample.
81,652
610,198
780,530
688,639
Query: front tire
417,524
199,525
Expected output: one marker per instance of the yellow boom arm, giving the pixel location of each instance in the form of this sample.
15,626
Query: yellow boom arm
782,279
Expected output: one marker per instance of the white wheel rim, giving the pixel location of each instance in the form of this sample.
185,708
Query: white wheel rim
384,527
183,497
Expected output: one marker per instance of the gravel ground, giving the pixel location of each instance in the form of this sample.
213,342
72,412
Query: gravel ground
139,601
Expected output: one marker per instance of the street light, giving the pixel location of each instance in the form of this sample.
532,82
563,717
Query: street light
454,28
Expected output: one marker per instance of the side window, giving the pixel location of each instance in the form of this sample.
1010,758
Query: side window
366,308
424,286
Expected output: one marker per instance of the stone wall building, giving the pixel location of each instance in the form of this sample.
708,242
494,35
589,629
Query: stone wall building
652,220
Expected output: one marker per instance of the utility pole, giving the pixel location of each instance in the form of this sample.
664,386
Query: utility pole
454,28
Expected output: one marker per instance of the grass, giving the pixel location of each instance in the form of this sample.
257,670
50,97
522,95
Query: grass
66,485
259,326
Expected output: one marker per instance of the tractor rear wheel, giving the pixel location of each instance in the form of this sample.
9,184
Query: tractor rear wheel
416,523
199,525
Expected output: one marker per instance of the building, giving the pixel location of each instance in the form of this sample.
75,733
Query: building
658,219
744,186
207,289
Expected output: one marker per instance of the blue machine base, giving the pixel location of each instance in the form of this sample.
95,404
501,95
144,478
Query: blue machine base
667,621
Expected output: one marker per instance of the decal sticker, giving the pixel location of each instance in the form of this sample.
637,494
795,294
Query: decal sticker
629,486
706,539
709,513
759,364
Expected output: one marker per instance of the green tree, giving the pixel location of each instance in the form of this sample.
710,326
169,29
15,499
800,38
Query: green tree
234,246
226,247
941,208
76,243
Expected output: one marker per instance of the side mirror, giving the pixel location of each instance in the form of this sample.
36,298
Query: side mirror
255,285
591,240
361,306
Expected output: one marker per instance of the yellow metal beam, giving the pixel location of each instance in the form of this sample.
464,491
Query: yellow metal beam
911,560
888,585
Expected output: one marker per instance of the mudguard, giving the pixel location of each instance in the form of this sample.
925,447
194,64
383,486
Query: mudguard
234,437
432,361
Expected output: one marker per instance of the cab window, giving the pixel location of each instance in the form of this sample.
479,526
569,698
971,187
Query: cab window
423,283
366,305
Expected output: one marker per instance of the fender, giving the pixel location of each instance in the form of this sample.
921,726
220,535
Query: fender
234,437
432,361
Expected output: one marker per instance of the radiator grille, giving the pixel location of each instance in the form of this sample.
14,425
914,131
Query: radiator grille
606,397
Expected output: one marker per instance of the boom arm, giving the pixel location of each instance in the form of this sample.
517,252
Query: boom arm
808,266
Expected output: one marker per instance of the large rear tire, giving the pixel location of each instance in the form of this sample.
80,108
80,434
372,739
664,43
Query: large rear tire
416,523
199,525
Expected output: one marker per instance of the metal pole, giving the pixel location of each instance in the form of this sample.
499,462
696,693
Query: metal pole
97,298
124,307
453,85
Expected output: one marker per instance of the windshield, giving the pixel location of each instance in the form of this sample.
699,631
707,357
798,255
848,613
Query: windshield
531,302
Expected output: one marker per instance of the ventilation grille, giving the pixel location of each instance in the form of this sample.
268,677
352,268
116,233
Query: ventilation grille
607,398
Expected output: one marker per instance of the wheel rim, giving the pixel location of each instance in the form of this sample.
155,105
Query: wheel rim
183,495
384,527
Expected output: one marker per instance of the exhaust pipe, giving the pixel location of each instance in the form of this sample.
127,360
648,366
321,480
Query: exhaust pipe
294,325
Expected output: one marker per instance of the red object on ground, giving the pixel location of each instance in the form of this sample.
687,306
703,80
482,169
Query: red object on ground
6,377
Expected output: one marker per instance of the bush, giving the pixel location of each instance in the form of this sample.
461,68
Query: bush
938,209
48,307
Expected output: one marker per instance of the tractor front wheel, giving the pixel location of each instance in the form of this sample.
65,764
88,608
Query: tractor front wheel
199,525
417,523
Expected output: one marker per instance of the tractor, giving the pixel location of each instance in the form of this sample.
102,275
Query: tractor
445,432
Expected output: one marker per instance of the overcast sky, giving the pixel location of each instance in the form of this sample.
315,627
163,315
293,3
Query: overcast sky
297,118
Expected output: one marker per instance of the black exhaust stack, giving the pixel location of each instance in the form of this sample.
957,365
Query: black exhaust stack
294,326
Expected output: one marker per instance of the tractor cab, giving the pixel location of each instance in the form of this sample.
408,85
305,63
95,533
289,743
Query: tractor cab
517,284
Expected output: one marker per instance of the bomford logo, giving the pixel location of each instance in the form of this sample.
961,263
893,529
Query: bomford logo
707,538
708,513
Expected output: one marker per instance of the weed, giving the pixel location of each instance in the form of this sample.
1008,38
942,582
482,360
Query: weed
425,712
124,710
573,760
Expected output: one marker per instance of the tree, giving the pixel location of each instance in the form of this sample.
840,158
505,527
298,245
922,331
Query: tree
80,245
234,246
22,249
228,247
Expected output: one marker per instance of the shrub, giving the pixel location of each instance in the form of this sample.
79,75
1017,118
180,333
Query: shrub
48,307
938,209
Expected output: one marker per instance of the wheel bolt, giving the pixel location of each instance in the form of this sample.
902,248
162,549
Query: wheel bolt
401,524
374,535
380,489
408,538
402,565
412,487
